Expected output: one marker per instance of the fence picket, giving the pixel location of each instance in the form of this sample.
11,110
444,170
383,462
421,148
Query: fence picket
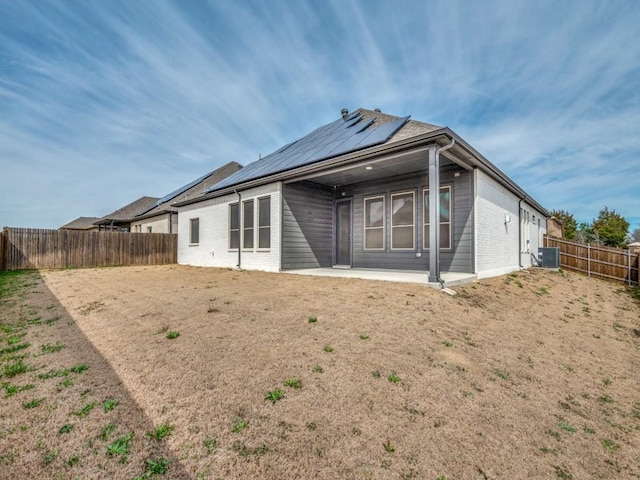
602,262
32,248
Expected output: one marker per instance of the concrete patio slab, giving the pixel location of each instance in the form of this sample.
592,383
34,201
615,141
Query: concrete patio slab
450,279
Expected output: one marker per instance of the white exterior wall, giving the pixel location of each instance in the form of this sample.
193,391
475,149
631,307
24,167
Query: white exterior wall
503,246
496,239
213,247
159,224
534,226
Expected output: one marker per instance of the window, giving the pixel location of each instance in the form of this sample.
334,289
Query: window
374,223
247,224
402,221
445,218
149,229
194,231
234,227
264,223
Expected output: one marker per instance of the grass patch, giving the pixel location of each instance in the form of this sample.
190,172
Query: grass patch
156,467
317,369
293,383
210,445
566,427
109,404
388,447
16,368
121,446
14,348
393,378
328,348
501,374
313,319
274,395
161,431
239,426
66,428
33,403
48,348
10,390
364,337
609,445
64,372
84,411
172,335
106,431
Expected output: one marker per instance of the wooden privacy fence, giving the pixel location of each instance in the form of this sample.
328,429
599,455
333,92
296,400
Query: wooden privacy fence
29,248
601,262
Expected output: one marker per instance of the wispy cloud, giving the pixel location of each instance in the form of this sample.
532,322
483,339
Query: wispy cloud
106,102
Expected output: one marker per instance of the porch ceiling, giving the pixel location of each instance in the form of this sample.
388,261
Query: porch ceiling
375,169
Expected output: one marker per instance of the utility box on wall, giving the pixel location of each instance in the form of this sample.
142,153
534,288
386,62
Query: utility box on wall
549,257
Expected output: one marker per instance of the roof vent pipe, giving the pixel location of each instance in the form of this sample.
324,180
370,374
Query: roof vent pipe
345,114
378,110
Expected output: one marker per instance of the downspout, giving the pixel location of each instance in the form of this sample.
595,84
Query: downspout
239,218
170,223
520,231
434,212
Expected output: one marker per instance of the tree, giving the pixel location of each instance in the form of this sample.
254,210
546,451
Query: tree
568,222
635,235
611,228
586,234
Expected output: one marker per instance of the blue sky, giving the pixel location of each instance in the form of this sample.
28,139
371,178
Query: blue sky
102,102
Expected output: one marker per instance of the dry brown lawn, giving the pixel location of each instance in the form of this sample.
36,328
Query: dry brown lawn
533,375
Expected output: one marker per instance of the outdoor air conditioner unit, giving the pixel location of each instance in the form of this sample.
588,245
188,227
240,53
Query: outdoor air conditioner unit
549,257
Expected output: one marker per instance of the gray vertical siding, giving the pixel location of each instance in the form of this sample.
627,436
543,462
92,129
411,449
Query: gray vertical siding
459,259
307,226
307,231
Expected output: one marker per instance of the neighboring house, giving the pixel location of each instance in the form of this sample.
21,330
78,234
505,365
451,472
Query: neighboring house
120,220
162,216
555,228
356,193
81,223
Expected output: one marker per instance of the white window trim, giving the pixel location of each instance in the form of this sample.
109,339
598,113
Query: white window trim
258,249
383,227
229,229
413,225
191,242
425,218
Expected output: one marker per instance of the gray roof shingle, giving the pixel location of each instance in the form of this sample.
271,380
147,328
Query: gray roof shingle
129,211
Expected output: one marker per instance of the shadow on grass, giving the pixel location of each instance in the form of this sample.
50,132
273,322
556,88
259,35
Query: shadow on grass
65,412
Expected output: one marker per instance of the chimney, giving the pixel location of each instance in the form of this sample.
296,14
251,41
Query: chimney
345,114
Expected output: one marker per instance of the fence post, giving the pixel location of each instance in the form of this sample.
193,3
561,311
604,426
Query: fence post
3,248
588,259
629,265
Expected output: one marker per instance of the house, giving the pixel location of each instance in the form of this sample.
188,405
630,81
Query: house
162,216
357,193
120,220
555,227
81,223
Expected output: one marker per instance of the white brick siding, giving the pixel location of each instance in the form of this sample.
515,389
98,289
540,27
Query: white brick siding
158,224
497,240
213,247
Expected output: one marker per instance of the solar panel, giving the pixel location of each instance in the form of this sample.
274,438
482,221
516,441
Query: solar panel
336,138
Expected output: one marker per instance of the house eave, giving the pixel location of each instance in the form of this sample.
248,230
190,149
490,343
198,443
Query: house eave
464,155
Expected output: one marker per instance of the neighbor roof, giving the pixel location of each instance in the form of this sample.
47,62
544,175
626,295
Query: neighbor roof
190,190
356,131
80,223
129,211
